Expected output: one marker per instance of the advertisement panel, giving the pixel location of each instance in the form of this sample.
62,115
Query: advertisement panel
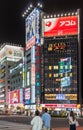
33,74
38,75
15,96
30,43
33,54
32,83
27,93
61,105
33,94
11,52
32,23
28,78
60,26
61,97
30,26
21,95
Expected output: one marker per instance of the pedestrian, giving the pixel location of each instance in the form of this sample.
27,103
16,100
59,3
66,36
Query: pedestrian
72,121
37,122
46,120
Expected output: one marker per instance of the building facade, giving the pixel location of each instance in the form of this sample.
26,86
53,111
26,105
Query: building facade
9,55
54,71
61,58
32,50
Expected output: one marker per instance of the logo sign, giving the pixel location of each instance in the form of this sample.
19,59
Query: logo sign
60,26
60,96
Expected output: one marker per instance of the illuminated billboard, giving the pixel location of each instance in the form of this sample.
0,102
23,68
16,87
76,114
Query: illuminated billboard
60,26
32,25
33,74
16,96
32,83
63,97
33,54
27,93
61,105
12,53
65,81
65,65
30,43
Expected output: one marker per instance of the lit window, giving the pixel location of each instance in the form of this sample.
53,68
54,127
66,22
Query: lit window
38,84
50,67
56,75
66,74
50,75
66,67
55,67
70,74
56,89
49,48
70,66
61,67
61,75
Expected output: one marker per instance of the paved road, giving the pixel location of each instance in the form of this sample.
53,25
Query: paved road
10,123
5,125
56,122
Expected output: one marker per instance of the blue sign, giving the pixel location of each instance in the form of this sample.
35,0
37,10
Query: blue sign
60,96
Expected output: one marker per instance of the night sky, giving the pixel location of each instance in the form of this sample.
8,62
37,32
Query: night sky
12,25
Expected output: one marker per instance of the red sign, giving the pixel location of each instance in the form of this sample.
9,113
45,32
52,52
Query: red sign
61,105
60,26
15,97
30,43
1,101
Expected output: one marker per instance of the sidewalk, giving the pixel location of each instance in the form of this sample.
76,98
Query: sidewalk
60,128
66,128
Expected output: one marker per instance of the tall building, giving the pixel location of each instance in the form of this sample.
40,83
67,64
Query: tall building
53,59
17,85
61,60
32,54
9,54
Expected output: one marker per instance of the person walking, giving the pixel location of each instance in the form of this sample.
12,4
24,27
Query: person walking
37,122
72,121
46,120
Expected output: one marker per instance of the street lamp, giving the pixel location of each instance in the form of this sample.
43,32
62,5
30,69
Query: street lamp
30,8
27,11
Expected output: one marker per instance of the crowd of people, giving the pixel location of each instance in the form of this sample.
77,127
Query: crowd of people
43,121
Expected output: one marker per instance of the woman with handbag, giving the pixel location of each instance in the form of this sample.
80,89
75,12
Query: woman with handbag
72,121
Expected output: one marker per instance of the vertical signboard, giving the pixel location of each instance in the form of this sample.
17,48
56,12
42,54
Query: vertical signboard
33,54
32,83
38,74
32,25
27,96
